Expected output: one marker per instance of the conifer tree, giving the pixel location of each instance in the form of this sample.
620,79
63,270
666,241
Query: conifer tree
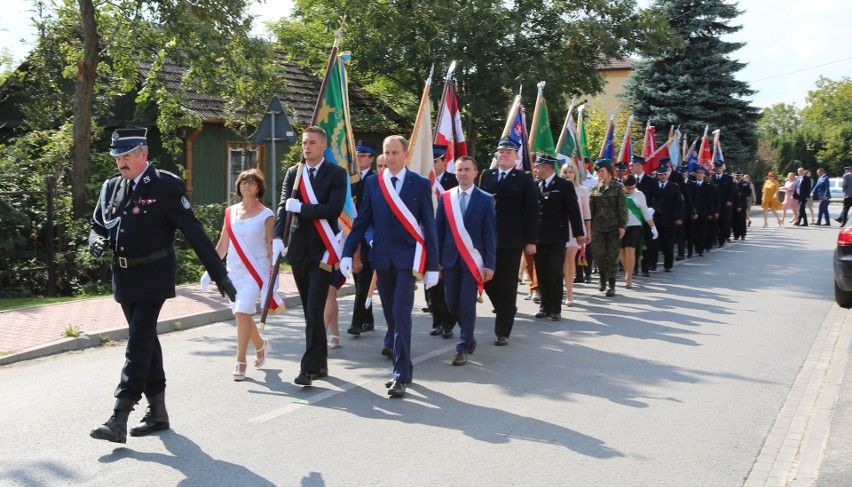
693,84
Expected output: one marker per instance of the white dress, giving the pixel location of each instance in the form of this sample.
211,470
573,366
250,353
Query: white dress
585,213
252,232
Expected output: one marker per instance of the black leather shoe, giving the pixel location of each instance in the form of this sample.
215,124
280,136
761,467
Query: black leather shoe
156,418
501,341
541,314
472,348
668,269
447,333
115,429
319,375
610,292
555,317
387,351
644,274
679,257
427,309
368,327
303,379
602,286
397,389
354,330
410,379
460,359
435,332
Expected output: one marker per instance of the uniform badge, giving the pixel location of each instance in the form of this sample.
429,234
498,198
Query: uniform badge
135,210
147,179
184,201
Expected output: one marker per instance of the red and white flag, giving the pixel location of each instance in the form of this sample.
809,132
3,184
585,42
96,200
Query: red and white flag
448,128
649,148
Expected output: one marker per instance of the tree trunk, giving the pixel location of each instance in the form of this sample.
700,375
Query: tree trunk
84,87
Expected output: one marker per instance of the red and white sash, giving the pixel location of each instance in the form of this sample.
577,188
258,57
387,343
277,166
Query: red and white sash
260,275
329,238
436,184
464,244
407,220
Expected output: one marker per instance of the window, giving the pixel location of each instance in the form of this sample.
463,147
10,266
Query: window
241,156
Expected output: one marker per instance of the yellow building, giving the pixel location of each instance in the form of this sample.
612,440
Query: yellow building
614,73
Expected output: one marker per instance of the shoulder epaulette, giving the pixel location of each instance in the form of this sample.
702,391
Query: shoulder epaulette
169,173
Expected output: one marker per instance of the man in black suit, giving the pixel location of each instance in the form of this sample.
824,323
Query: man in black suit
558,206
136,216
803,191
314,222
683,233
648,186
516,206
727,190
362,315
705,205
668,214
442,320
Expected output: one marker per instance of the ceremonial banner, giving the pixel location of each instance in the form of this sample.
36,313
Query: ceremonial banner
608,147
692,156
420,146
649,148
567,148
541,137
705,158
626,153
583,140
674,151
448,127
718,157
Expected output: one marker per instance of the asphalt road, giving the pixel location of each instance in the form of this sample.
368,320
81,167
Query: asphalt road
679,382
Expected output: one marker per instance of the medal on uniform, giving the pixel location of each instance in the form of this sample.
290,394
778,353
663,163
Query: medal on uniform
135,210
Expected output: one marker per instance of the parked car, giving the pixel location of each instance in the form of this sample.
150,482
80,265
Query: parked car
836,190
843,267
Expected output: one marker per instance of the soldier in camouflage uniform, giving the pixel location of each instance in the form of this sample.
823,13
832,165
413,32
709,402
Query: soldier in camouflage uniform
609,221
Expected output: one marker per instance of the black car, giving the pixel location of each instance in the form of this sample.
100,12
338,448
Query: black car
843,267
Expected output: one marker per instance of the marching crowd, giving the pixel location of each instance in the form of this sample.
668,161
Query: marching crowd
484,232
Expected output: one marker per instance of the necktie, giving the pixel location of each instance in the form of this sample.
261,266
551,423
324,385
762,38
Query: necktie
130,185
463,202
662,185
394,179
313,172
502,177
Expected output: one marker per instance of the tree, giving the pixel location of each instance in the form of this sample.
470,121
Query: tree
781,138
827,123
693,84
499,46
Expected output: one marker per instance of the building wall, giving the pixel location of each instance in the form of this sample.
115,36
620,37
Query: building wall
614,84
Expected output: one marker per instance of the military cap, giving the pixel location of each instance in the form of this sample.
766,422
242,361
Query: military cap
665,161
365,148
847,168
621,166
738,172
507,143
661,169
602,162
637,160
683,169
701,169
718,163
126,140
542,158
439,151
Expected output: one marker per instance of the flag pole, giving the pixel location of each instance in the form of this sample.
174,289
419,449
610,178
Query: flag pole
439,117
625,139
539,97
513,110
565,125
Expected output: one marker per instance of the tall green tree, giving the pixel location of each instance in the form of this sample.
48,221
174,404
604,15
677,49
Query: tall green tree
693,83
782,143
499,46
827,123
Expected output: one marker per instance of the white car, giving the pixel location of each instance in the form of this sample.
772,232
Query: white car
836,189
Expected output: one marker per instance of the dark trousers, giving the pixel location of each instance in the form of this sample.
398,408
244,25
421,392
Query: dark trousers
441,316
460,290
502,290
312,283
699,236
823,212
549,258
680,236
847,203
665,243
396,288
739,223
143,358
803,210
724,226
362,314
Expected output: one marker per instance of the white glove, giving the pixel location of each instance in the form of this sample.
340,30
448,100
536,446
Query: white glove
654,233
346,266
293,205
277,248
651,211
430,279
205,281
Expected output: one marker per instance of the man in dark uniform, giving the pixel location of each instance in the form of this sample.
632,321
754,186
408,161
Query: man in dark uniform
803,192
362,315
743,191
436,303
706,205
668,214
620,172
726,189
557,206
648,186
136,216
516,206
683,233
307,247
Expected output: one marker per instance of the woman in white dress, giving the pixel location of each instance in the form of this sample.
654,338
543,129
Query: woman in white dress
569,268
636,207
247,240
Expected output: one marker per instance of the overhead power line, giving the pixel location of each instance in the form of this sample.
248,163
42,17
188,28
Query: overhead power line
800,70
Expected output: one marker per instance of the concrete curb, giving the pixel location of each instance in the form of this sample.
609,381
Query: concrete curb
118,334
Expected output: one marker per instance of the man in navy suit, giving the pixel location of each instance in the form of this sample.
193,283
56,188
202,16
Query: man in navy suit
398,205
803,192
668,214
467,239
822,193
362,315
307,247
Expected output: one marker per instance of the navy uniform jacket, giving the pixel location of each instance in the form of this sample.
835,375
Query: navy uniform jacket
557,206
650,187
668,207
479,221
448,180
148,219
726,188
392,244
330,190
358,188
516,206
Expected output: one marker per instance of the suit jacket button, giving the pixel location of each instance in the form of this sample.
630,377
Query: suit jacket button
122,230
122,248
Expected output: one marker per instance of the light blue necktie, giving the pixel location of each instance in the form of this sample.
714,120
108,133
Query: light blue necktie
463,202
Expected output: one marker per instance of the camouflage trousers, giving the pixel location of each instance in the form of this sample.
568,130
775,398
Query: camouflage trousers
605,250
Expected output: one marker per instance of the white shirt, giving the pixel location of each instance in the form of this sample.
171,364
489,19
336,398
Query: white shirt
400,176
549,179
640,201
468,191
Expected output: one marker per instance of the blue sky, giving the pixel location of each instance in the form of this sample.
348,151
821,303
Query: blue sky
790,43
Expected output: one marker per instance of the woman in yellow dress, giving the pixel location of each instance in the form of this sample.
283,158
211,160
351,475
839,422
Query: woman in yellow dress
770,199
